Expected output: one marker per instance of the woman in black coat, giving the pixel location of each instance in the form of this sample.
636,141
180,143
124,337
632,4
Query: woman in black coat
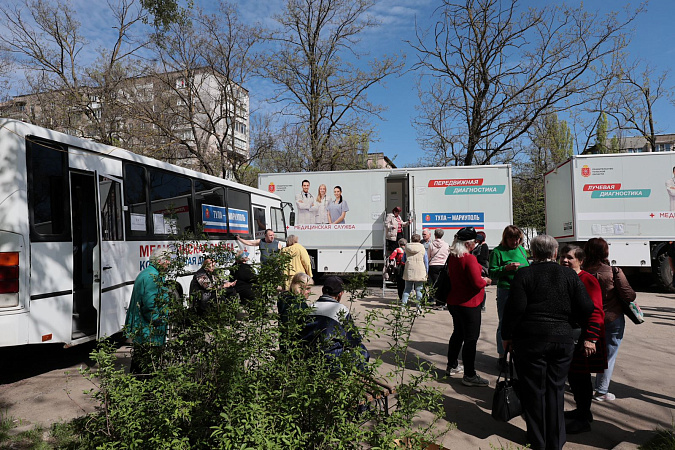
546,300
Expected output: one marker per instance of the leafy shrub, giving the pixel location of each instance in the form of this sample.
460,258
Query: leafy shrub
223,382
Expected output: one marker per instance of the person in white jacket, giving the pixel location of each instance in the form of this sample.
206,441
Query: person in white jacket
437,254
304,201
393,228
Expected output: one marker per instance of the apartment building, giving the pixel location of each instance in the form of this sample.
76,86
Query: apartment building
195,120
638,144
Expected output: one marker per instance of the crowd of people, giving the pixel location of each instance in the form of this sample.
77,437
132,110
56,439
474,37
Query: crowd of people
560,314
327,324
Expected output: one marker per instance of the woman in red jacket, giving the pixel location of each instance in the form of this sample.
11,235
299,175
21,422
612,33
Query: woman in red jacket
589,354
464,300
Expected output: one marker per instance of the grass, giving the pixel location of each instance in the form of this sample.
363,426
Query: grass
664,440
61,436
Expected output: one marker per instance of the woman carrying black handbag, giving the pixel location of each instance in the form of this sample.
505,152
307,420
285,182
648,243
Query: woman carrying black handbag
506,401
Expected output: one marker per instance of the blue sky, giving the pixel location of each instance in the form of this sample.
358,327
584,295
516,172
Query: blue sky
652,41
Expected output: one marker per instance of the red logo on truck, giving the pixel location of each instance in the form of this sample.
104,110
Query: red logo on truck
585,171
456,182
602,187
271,187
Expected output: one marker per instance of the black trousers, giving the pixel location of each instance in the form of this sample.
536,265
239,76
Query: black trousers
434,271
466,322
582,388
542,369
400,283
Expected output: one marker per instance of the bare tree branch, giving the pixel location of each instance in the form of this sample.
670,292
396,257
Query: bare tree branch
497,69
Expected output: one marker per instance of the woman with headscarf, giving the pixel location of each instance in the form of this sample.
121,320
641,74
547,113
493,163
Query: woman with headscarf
545,300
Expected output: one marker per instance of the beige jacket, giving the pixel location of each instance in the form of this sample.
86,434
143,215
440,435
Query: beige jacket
414,269
300,261
391,226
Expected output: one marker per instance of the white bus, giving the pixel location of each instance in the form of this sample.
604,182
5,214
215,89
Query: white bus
78,221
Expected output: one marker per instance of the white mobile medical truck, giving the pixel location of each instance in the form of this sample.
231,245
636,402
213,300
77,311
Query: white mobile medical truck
437,197
626,198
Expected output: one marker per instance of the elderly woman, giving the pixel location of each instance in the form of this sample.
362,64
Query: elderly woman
244,276
205,289
290,305
505,260
589,353
300,262
393,227
464,299
545,300
415,269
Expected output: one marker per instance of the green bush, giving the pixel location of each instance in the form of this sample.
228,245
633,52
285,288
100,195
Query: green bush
223,382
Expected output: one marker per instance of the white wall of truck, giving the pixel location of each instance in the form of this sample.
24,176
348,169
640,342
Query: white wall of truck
627,198
438,197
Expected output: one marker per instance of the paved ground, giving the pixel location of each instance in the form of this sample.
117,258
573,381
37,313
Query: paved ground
643,380
42,385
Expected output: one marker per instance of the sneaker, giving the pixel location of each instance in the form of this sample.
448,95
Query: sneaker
450,371
608,397
475,380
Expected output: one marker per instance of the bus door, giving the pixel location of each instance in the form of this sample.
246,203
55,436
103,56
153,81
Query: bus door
86,254
397,189
87,182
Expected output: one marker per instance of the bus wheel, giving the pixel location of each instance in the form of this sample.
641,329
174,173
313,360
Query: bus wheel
664,275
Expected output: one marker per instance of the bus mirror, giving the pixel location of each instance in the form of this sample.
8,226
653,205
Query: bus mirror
291,218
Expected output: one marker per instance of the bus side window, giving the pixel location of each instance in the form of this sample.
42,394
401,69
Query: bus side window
111,209
238,212
135,185
259,225
170,202
48,196
210,204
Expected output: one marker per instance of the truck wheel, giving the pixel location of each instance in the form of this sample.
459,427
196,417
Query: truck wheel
664,275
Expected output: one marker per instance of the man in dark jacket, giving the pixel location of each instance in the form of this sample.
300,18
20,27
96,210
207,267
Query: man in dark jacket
331,326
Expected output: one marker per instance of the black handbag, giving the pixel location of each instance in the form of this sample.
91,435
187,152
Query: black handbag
505,401
442,285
